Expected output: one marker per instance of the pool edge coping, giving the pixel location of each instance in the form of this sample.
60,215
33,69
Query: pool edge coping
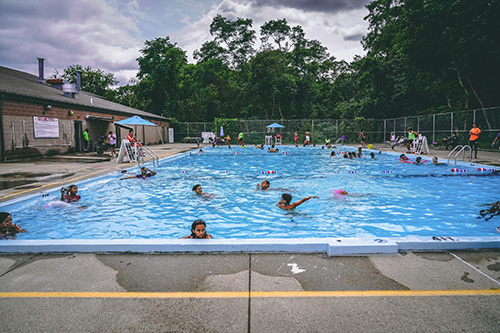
329,246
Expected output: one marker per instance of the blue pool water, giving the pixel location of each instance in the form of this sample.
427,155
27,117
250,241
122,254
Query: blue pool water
387,199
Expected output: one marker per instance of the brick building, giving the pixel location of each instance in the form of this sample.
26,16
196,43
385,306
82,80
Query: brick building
39,117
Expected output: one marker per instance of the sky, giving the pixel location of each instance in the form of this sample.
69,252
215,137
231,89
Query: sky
109,34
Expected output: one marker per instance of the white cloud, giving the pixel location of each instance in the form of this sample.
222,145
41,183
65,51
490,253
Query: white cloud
335,30
108,34
86,32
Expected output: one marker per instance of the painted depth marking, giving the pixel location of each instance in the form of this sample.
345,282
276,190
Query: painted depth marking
255,294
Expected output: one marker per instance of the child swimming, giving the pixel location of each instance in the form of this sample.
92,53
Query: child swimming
198,231
286,198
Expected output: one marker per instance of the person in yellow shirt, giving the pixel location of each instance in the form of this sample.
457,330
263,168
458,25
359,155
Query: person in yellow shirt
474,139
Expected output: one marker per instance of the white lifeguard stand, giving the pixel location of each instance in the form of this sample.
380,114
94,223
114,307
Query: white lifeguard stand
277,139
419,145
134,152
268,140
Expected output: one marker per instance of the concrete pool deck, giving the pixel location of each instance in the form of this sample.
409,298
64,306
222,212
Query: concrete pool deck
446,291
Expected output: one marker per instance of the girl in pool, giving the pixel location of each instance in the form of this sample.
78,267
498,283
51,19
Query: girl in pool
198,231
69,194
403,158
435,161
199,192
8,230
286,198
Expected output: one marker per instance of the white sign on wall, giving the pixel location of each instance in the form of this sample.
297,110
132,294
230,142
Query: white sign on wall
46,128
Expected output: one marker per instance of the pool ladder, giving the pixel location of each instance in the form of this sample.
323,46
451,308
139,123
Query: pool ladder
462,150
146,150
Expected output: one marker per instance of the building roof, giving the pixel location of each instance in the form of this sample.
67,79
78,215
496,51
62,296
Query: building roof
26,85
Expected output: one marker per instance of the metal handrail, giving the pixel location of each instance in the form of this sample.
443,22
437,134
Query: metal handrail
151,153
462,150
451,152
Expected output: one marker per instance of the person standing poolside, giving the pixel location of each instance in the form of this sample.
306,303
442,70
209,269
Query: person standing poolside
198,231
296,138
143,175
8,230
362,139
308,138
240,139
411,135
474,139
264,185
112,142
86,139
286,198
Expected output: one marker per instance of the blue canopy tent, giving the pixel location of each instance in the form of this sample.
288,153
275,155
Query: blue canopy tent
136,120
275,125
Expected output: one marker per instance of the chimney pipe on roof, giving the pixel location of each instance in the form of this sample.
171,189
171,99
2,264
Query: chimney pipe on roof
78,81
40,70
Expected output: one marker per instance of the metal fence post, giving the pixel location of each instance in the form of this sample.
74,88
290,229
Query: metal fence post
451,125
433,128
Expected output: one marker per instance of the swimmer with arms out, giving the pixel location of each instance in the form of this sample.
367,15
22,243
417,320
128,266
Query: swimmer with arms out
198,231
143,175
264,185
286,198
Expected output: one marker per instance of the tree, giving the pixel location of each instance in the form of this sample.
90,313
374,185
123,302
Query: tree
235,37
279,32
160,69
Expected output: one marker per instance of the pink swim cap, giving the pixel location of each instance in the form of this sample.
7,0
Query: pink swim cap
340,192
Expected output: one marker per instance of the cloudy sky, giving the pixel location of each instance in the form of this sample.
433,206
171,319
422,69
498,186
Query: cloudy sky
108,34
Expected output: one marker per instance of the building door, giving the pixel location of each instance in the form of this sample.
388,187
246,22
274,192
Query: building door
78,136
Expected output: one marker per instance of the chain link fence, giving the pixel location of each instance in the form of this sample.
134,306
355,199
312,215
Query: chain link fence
434,126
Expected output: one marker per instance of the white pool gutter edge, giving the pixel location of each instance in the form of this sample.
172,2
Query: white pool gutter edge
330,246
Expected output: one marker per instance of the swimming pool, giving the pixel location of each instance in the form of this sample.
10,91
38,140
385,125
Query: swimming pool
386,198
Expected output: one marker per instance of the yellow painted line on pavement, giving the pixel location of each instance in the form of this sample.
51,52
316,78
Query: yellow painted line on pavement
66,181
255,294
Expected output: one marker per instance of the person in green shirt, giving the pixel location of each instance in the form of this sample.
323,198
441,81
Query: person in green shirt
411,135
240,139
85,139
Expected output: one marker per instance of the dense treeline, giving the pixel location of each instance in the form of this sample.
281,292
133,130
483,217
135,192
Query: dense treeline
423,56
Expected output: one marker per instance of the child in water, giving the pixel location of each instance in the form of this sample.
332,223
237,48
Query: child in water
69,194
286,198
198,231
8,230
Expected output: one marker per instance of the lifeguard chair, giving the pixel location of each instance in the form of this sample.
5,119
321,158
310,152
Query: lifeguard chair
277,139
